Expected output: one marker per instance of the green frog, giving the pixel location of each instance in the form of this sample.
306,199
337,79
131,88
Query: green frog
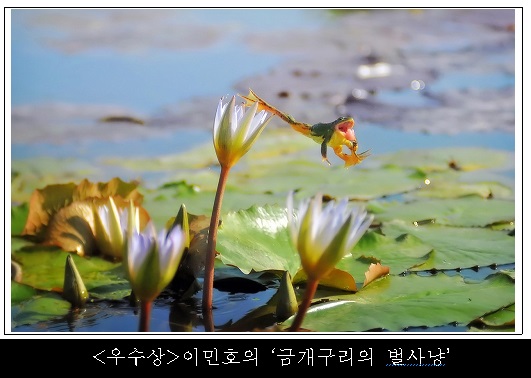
334,134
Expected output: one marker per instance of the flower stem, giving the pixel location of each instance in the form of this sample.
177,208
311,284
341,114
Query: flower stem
311,288
208,282
145,315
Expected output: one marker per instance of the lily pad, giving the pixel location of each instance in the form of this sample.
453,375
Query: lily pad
21,292
442,159
395,303
465,212
164,203
503,317
19,214
453,185
398,253
457,247
46,202
310,178
44,270
40,308
198,157
257,239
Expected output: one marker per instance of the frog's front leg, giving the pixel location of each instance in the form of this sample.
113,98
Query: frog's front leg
324,150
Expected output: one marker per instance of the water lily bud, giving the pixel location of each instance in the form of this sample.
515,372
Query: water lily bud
152,260
74,289
323,235
236,129
182,220
287,300
109,232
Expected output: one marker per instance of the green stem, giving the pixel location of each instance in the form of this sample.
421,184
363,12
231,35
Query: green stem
208,282
145,315
309,293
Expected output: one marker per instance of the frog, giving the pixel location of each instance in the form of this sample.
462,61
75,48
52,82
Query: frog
336,134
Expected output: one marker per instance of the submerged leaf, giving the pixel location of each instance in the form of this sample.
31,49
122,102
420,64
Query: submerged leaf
40,308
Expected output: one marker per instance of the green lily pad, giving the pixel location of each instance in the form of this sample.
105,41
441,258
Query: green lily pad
457,247
164,202
40,308
466,212
19,243
195,158
442,159
503,317
257,239
44,270
21,292
395,303
19,214
398,253
448,185
309,178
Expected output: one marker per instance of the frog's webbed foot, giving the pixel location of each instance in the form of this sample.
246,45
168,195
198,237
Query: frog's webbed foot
352,159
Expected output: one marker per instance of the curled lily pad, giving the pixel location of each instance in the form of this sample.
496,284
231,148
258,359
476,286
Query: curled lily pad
338,279
46,202
73,228
375,271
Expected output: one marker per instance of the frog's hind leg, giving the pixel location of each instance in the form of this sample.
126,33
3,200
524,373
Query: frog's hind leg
351,159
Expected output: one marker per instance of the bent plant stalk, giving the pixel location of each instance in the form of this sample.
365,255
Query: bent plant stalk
145,316
309,293
208,282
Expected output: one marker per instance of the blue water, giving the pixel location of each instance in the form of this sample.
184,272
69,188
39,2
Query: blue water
143,79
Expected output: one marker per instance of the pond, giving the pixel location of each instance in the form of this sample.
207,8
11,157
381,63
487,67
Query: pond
425,87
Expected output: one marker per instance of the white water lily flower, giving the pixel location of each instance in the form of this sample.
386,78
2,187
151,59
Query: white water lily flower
236,129
322,236
109,223
152,260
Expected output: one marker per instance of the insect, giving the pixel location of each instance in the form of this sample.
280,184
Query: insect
335,135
